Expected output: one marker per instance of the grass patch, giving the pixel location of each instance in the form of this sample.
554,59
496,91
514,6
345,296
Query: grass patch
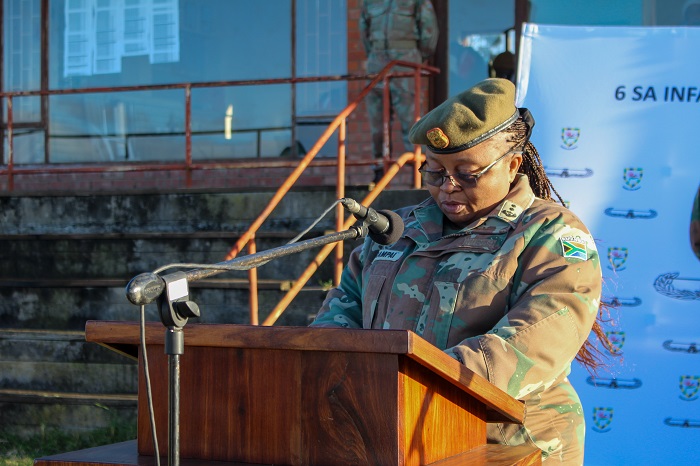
16,450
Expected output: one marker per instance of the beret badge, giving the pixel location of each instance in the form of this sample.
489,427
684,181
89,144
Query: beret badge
437,138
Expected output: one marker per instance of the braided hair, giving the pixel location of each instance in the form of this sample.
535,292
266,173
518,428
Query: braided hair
589,355
519,133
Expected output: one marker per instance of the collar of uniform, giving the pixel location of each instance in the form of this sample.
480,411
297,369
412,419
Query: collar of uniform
519,198
430,217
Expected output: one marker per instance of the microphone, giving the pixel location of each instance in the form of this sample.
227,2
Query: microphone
144,289
385,226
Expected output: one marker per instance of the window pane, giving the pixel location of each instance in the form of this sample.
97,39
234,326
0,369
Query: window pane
117,126
27,147
477,35
321,51
22,64
241,121
141,42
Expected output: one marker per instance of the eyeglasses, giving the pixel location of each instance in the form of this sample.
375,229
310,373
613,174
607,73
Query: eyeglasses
437,178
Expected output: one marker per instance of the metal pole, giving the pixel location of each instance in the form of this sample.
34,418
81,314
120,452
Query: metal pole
174,347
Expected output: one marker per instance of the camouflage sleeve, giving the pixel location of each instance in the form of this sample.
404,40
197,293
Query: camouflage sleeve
695,225
427,29
364,27
554,302
343,305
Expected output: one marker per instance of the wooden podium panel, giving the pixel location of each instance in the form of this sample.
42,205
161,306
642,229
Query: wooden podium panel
305,396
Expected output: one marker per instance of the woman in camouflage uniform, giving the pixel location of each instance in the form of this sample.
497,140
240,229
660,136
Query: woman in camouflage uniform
489,269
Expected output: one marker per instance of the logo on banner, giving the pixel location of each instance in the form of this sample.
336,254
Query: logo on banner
602,418
617,341
569,172
615,301
689,385
689,289
669,421
569,137
632,178
631,213
691,348
617,258
614,382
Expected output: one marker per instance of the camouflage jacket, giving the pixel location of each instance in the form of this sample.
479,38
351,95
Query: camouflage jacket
513,297
399,25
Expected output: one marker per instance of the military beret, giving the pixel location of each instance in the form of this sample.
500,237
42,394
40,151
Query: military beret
468,118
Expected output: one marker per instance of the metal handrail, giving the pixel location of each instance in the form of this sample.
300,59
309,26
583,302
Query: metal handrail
390,171
326,250
10,169
391,168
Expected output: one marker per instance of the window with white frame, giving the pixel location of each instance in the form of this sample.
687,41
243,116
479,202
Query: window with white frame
99,33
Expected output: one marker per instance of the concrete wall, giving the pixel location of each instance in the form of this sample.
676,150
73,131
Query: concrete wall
67,259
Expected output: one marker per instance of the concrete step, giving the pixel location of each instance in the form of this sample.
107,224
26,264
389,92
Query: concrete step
60,361
90,257
55,379
68,308
31,412
67,259
179,213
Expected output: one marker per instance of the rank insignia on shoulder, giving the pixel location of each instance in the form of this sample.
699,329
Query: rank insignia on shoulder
510,211
437,138
574,246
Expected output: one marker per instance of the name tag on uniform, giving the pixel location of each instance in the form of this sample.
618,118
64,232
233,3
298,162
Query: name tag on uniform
388,255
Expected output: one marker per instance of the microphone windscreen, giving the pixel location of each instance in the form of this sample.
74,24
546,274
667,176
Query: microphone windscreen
393,233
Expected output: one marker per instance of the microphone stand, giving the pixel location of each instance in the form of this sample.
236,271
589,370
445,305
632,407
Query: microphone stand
176,308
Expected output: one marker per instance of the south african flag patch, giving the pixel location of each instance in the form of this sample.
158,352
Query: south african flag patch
574,246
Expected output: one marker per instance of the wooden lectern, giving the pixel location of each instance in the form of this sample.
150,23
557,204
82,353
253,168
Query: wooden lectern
309,396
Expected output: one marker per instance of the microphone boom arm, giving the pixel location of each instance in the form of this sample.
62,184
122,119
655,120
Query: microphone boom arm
147,287
263,257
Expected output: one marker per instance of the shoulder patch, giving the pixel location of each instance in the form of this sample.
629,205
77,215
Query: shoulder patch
574,246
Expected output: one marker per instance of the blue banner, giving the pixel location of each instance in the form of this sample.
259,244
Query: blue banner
617,113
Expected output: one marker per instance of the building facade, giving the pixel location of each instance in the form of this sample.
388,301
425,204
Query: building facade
169,94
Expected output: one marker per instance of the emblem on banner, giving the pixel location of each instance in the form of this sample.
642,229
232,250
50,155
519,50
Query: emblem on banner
569,137
631,213
617,341
633,178
616,301
691,348
569,172
614,382
617,258
602,418
688,291
669,421
689,385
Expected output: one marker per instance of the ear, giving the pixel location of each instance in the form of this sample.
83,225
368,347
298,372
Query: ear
514,166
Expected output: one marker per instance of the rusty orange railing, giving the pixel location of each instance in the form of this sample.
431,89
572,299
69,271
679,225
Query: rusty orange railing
391,169
247,240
